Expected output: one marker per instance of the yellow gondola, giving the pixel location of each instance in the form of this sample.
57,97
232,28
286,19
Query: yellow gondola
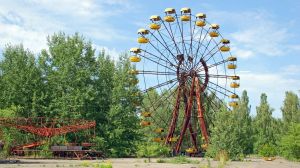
133,72
231,58
185,18
159,130
135,59
169,18
234,85
201,15
231,66
143,31
185,10
135,50
155,18
234,96
133,81
225,41
233,104
146,114
224,48
215,26
154,26
204,146
142,40
235,77
213,34
158,139
200,23
191,150
145,123
173,139
170,10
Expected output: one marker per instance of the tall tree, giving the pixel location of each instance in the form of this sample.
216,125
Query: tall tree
225,135
122,129
264,124
291,108
245,123
68,68
20,81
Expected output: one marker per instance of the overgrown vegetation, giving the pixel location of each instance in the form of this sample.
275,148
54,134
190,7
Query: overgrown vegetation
70,80
179,160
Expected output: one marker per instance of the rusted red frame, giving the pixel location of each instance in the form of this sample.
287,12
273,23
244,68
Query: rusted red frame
193,93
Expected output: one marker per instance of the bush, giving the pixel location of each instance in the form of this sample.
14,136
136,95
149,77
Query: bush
267,150
290,143
152,150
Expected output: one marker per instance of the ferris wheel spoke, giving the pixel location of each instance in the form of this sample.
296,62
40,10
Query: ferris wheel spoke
220,102
213,65
216,76
172,37
160,85
157,104
200,41
156,73
211,100
163,99
214,89
221,87
181,33
208,58
160,59
165,45
166,59
192,35
157,62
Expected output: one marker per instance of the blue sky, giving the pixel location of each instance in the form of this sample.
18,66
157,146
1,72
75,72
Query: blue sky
264,34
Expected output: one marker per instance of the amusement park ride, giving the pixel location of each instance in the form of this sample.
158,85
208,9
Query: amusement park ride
46,129
185,59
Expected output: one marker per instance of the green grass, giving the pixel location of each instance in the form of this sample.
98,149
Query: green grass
178,160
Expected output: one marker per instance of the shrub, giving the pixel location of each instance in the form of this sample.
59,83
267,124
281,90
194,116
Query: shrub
152,150
267,150
290,143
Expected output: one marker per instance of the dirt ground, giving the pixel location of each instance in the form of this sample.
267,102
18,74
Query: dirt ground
136,163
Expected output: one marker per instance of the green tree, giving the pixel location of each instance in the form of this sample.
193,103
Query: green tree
245,124
123,123
68,68
225,135
21,83
290,142
291,108
264,125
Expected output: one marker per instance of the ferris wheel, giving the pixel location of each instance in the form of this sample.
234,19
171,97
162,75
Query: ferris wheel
185,60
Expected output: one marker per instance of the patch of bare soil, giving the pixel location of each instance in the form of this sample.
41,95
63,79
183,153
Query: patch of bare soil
143,163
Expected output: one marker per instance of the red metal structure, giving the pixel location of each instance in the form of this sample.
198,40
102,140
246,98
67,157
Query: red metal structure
188,64
44,127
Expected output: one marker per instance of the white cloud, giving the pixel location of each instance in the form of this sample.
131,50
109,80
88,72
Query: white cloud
29,22
256,33
273,84
291,70
112,52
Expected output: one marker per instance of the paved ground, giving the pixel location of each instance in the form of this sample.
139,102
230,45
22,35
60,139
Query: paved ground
136,163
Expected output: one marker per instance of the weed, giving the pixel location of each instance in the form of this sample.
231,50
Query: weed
161,161
85,164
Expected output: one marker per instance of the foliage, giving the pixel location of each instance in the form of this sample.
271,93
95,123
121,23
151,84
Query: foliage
225,135
152,150
290,143
178,160
122,130
291,108
69,80
265,126
267,150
